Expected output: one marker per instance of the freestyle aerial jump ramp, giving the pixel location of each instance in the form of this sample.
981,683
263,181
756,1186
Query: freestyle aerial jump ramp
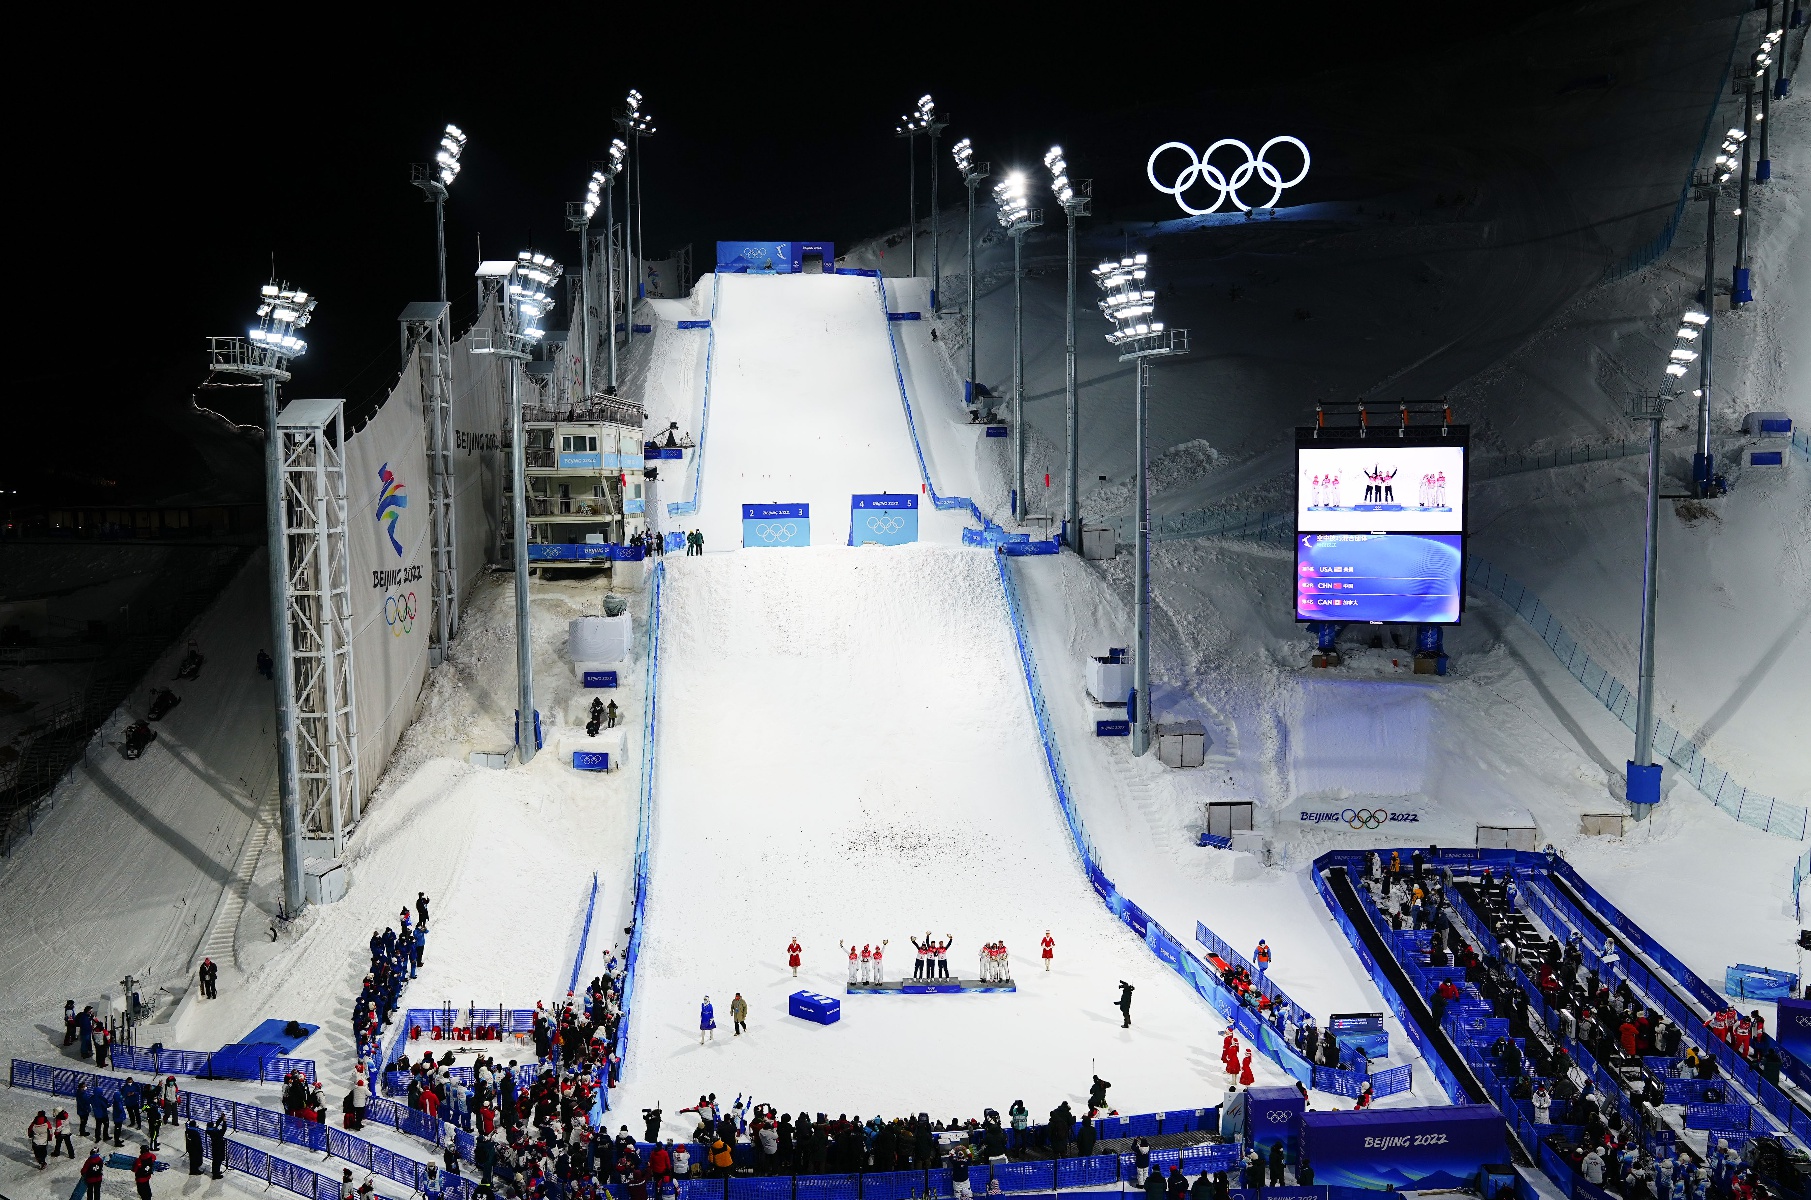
847,754
804,408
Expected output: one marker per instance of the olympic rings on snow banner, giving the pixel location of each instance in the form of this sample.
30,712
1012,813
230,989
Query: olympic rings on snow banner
1201,170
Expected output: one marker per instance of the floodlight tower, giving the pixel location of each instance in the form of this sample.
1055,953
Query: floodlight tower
635,124
526,299
1708,186
974,174
1763,59
1075,199
578,219
1016,215
434,179
264,354
1130,303
909,127
1740,290
610,168
933,125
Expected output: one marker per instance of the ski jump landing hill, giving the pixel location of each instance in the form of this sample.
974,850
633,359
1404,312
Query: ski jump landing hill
846,755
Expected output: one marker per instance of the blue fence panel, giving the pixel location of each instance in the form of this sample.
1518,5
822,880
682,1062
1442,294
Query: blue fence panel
685,508
827,1187
881,1185
1025,1176
1094,1171
644,820
1144,1125
1188,1120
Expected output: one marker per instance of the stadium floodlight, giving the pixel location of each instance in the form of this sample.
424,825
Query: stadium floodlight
635,124
974,174
922,119
264,354
1129,302
1694,317
434,179
1074,200
578,219
1642,781
603,179
1012,196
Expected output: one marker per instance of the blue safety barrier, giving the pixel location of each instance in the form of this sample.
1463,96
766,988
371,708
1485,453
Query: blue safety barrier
268,1067
684,508
578,961
905,316
695,324
644,819
938,500
1745,982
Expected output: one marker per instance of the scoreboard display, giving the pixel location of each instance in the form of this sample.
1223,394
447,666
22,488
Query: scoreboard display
1380,526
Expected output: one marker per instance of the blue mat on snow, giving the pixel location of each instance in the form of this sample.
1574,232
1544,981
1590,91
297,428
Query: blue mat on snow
271,1032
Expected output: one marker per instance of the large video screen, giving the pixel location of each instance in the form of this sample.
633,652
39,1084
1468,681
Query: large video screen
1380,486
1397,577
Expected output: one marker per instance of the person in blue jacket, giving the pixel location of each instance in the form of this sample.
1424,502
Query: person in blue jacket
421,945
134,1096
82,1108
84,1025
707,1022
119,1120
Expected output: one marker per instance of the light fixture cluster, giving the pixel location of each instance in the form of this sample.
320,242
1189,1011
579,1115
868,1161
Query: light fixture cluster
964,154
1728,161
1128,302
920,119
446,159
594,190
1059,175
282,310
633,119
531,292
1013,196
1689,331
1763,58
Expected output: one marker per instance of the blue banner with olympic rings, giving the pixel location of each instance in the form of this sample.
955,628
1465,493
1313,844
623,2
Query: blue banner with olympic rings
883,520
776,525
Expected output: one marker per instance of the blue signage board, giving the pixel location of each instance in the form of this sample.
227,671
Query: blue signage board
1361,1031
1395,577
776,525
758,257
584,552
634,504
591,760
581,460
1112,729
883,520
651,452
1274,1114
1794,1032
996,431
599,679
1405,1149
814,1006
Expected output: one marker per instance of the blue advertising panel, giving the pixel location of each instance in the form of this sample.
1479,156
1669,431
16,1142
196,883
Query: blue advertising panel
1399,577
1361,1031
1274,1114
1407,1149
1794,1032
775,257
883,520
776,524
591,760
581,460
599,679
823,250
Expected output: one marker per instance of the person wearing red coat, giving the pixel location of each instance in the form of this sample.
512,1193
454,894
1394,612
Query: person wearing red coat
792,957
430,1102
1245,1075
1626,1035
1049,945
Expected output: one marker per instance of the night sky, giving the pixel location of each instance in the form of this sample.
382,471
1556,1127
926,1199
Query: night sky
170,166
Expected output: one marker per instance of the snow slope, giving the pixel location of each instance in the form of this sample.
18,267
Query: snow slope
804,407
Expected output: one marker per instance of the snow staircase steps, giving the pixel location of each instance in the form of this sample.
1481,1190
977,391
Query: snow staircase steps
223,930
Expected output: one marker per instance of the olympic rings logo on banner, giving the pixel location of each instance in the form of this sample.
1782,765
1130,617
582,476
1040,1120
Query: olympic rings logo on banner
399,613
1201,170
885,522
775,534
1279,1116
1365,818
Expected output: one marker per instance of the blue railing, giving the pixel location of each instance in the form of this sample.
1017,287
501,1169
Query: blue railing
578,960
683,508
201,1064
938,500
1166,946
1744,804
644,821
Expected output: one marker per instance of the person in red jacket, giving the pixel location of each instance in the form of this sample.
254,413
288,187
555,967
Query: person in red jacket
1245,1075
142,1166
92,1172
1049,945
792,956
660,1165
1626,1035
430,1102
1364,1097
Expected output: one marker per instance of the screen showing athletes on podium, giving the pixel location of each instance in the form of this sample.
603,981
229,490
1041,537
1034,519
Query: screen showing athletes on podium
1380,486
1380,525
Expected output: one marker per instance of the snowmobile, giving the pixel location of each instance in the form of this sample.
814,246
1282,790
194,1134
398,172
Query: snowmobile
162,701
190,667
138,736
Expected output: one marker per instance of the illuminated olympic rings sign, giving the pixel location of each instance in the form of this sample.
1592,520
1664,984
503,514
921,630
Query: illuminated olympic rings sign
1201,170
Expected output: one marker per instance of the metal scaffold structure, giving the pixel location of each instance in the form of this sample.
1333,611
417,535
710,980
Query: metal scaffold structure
312,439
427,333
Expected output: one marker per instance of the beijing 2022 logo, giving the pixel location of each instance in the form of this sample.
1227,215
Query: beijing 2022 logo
390,503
